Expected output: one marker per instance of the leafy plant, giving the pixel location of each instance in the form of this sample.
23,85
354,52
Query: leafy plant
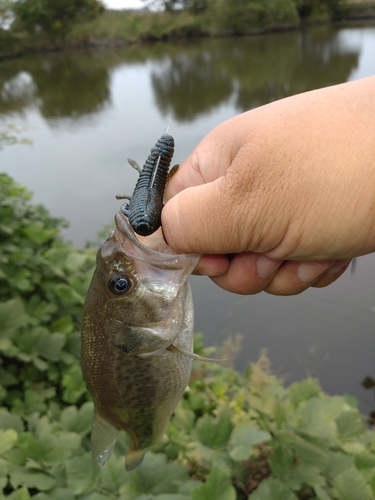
53,18
232,436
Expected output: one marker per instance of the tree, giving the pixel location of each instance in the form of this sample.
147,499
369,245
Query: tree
55,18
194,6
6,15
307,7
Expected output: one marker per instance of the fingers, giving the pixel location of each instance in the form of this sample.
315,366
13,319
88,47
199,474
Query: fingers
198,220
249,273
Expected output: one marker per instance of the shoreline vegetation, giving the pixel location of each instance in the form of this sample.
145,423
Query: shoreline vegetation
233,436
218,18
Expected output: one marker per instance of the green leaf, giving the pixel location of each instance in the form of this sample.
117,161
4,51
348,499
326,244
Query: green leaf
166,496
8,438
351,485
75,260
337,463
155,476
306,453
6,378
353,448
20,475
56,446
73,384
316,416
96,496
38,233
113,475
78,421
301,475
50,345
41,309
12,316
63,325
184,419
215,431
29,446
21,494
9,421
282,459
304,390
243,438
321,494
56,494
68,295
57,256
48,444
20,280
217,487
4,467
82,474
273,489
365,460
350,424
33,401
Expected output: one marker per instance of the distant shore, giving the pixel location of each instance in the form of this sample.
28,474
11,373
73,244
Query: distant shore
121,28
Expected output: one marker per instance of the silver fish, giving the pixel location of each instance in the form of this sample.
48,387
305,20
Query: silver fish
137,340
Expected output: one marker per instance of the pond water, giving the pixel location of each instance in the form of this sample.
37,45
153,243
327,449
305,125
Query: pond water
87,111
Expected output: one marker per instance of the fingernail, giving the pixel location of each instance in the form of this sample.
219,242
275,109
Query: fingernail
340,265
266,266
308,271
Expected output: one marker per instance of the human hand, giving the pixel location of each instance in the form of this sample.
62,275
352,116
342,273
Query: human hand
280,198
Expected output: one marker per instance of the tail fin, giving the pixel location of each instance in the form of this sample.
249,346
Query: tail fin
103,439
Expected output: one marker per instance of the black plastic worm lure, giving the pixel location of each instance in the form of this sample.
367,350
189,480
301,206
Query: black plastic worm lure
146,203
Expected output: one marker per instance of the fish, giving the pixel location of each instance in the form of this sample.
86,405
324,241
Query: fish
146,203
137,340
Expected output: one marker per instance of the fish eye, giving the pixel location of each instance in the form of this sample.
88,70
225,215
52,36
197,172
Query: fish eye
119,284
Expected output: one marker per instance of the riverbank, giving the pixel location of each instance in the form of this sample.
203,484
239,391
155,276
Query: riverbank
119,28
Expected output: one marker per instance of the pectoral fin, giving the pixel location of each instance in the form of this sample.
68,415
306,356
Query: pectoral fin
103,439
191,355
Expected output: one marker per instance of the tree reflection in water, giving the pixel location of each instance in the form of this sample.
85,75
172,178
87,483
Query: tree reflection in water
189,79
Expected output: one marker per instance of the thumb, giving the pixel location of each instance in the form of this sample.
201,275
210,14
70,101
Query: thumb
196,220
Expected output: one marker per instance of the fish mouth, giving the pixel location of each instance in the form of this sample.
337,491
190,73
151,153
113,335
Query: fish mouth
152,249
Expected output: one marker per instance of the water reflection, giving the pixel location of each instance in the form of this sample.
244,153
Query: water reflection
60,86
188,80
192,82
252,71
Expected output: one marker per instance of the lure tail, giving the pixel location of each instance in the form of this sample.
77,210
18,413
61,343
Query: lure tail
146,203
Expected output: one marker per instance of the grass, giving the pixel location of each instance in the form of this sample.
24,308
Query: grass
118,27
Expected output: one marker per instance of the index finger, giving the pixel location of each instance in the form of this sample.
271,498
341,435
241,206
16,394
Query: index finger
209,161
187,175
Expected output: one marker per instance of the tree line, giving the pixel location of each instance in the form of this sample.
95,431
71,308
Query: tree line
304,8
54,20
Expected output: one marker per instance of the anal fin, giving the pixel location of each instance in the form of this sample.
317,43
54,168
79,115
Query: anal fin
103,439
133,458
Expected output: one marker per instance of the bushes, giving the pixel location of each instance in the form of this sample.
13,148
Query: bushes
53,18
244,16
232,436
